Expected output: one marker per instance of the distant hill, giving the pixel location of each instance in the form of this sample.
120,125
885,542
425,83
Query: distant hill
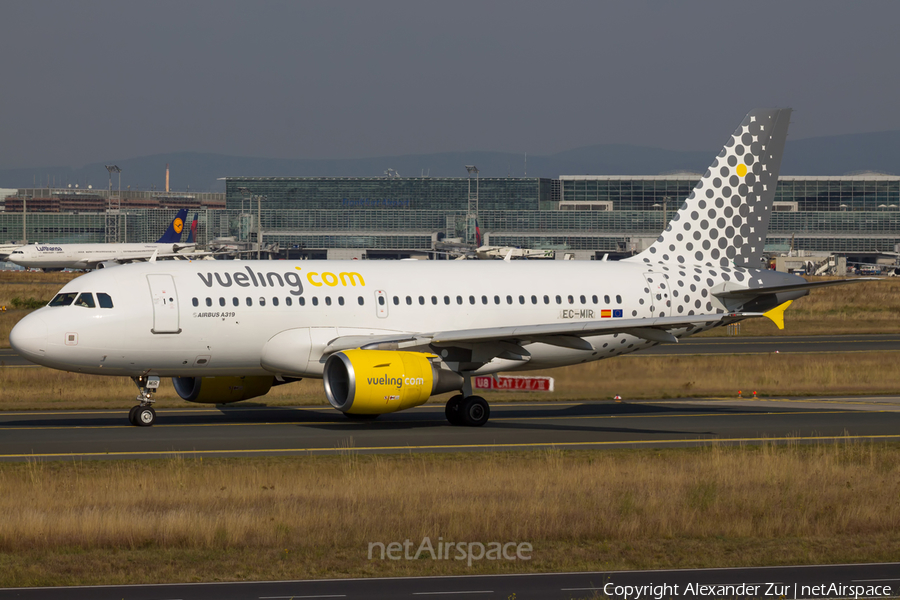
833,155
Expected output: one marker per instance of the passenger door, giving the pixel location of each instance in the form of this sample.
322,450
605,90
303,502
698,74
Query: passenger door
165,304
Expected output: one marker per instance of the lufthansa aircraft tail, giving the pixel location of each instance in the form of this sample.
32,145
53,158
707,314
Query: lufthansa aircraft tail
173,233
725,220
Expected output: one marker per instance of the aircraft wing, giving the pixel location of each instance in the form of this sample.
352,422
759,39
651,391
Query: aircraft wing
124,260
507,342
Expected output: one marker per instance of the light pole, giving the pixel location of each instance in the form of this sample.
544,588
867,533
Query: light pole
112,211
472,200
244,192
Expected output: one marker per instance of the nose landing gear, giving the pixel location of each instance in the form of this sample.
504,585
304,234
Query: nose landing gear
143,414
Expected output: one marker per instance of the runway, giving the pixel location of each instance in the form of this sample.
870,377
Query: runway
791,582
812,344
261,431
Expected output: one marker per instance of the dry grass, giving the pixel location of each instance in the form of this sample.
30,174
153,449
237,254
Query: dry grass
632,377
314,517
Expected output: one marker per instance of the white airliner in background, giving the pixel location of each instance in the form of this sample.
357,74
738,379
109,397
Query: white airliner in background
386,336
54,257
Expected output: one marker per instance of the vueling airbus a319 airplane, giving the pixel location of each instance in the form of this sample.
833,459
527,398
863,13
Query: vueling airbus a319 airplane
386,336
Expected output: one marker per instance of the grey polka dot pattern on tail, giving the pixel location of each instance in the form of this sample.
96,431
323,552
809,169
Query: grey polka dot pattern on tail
731,205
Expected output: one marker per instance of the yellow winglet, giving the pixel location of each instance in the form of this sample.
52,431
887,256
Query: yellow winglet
776,315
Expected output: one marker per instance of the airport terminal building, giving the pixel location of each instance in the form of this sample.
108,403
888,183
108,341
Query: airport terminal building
393,217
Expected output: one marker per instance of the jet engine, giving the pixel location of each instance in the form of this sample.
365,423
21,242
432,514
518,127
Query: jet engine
374,382
221,390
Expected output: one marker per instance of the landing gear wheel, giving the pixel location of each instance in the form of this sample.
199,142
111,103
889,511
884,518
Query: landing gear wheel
453,410
131,415
475,411
354,417
144,416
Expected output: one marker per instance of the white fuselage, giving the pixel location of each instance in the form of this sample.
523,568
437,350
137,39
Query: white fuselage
85,256
211,318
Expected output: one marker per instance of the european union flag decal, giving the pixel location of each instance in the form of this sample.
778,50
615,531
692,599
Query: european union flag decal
617,313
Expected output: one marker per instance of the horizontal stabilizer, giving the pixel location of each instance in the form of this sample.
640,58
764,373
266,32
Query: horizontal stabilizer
745,293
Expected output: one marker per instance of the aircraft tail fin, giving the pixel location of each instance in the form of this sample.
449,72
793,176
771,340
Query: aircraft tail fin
725,220
192,236
173,233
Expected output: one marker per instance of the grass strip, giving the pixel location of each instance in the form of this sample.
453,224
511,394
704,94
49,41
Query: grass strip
632,377
183,519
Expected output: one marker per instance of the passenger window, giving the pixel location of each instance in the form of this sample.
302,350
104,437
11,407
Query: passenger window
484,300
302,301
315,301
249,301
496,299
396,301
409,301
85,299
328,300
509,299
422,300
361,300
570,299
446,299
341,300
471,299
234,301
618,299
194,301
209,301
583,300
104,300
521,299
459,300
275,301
434,300
534,299
594,298
546,299
262,301
288,301
381,300
558,300
605,299
221,301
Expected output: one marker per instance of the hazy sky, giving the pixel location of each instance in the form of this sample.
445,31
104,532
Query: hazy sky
104,81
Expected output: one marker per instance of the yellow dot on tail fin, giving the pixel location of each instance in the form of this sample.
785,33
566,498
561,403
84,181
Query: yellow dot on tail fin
776,315
741,170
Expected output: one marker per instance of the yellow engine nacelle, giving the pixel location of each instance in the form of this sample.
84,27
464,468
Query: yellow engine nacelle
221,390
373,382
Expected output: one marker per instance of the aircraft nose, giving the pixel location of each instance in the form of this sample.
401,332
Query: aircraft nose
29,337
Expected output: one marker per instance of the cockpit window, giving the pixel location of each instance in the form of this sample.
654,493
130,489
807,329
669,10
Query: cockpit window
85,299
63,299
104,300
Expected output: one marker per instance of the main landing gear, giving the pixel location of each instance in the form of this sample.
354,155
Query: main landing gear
143,414
471,411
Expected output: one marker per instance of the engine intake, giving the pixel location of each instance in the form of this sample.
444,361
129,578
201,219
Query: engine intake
374,382
221,390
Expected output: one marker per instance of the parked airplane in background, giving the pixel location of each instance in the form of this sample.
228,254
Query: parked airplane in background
51,257
386,336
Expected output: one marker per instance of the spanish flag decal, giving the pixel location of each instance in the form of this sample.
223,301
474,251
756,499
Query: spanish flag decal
605,314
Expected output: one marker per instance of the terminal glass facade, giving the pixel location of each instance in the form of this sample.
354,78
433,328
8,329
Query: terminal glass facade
858,213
